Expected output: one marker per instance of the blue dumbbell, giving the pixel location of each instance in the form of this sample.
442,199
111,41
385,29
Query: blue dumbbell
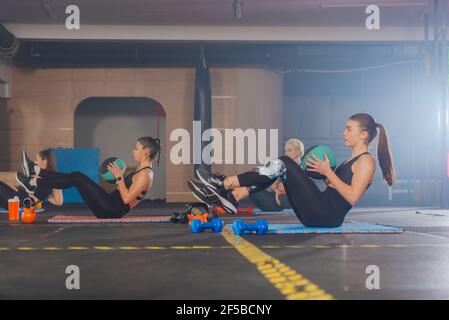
196,226
240,227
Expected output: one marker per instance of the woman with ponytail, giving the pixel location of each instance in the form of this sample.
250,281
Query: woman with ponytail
45,159
312,207
130,189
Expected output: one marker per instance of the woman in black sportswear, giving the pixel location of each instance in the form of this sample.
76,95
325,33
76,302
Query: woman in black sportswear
45,159
130,189
313,208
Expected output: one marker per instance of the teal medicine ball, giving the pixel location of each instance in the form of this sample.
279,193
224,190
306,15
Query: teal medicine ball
318,151
105,174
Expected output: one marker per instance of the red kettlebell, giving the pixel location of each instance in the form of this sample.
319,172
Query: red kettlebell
29,215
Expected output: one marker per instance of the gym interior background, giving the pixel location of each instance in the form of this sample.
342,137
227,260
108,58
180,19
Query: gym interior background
302,67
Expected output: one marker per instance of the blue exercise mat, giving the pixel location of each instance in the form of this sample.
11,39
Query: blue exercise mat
284,211
348,227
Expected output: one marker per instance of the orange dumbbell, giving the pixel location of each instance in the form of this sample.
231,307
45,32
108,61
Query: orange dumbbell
203,217
198,211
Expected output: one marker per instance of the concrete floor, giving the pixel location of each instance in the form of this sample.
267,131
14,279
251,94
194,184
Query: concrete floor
166,261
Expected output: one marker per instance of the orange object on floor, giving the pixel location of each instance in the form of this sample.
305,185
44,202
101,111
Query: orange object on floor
29,215
202,218
248,210
220,210
217,210
13,209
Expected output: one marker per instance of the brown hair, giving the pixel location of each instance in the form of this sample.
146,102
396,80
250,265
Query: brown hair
384,154
49,156
154,144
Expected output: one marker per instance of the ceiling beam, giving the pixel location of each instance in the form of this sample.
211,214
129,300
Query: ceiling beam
214,33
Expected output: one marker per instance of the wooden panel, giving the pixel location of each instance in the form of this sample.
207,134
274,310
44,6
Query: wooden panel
229,76
119,74
7,165
119,89
42,104
165,74
13,152
180,198
164,93
42,89
41,137
86,89
90,74
40,121
9,178
22,74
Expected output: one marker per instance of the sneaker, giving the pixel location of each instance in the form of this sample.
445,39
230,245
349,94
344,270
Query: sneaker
27,165
205,194
212,180
24,181
226,199
201,193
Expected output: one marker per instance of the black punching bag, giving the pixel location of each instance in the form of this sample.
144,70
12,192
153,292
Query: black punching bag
203,102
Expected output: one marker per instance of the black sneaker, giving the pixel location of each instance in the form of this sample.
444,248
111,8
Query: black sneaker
226,199
205,194
201,193
27,165
212,180
24,181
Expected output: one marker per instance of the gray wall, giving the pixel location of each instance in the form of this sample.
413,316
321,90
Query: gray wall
317,105
114,124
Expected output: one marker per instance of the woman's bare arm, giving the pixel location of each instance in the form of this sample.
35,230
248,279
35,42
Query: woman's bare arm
364,169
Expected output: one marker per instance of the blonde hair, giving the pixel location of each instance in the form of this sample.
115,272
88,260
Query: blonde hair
297,144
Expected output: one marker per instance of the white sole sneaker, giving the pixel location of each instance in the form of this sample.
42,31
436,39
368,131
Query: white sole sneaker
199,195
228,206
204,181
24,164
24,185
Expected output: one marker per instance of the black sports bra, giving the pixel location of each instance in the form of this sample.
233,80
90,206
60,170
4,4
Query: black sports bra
344,171
129,181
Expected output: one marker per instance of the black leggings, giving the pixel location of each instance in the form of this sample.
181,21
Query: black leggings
102,204
6,193
312,207
266,201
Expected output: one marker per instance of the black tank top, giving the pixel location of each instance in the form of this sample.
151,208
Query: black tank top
344,172
128,182
129,177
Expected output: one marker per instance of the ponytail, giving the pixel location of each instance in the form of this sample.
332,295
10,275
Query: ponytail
385,157
384,154
154,144
157,143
